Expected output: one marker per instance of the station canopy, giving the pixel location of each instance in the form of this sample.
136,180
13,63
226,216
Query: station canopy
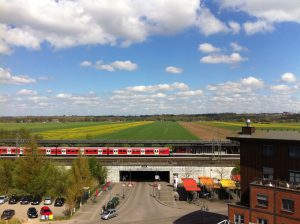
227,183
190,184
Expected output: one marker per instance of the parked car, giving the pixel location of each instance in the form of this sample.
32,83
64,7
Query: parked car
45,210
32,213
8,214
36,200
48,201
14,199
109,213
3,199
25,200
59,202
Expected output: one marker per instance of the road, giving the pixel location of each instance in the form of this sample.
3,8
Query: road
141,208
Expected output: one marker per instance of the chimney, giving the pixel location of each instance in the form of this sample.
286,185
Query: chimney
248,130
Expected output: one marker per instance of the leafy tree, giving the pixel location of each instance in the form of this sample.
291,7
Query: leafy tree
6,173
98,171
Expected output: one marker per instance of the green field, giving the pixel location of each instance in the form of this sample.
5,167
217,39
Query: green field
236,126
105,130
155,130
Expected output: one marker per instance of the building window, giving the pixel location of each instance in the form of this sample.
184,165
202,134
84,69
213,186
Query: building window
262,221
294,176
294,152
239,219
268,173
262,200
288,205
268,150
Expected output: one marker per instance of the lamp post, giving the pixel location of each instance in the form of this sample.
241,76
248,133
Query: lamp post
130,178
123,185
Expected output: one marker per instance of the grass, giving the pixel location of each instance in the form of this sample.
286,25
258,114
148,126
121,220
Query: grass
236,126
153,131
11,221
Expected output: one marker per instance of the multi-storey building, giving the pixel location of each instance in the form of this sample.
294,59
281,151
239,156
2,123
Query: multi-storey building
270,178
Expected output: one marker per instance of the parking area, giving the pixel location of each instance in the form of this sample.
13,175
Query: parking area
21,210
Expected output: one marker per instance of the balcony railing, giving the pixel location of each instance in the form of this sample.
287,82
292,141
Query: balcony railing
277,184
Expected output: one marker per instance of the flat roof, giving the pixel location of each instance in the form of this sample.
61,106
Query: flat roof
269,135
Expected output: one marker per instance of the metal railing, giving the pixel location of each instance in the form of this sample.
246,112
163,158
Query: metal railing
277,184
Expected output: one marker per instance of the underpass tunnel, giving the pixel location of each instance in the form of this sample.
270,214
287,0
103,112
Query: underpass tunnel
144,176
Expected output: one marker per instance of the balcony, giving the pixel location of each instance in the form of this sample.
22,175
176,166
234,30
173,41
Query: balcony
277,184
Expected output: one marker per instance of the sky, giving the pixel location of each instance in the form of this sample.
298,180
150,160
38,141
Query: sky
133,57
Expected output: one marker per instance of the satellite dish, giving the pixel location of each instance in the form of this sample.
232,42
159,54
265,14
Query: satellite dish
248,122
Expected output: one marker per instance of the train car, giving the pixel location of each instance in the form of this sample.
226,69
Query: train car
67,151
48,151
8,151
94,151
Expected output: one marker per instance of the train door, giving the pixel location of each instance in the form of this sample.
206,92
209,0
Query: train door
142,151
129,151
48,152
82,151
9,151
100,151
63,151
115,151
156,152
21,151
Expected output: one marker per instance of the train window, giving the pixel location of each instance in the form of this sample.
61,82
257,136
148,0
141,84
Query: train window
68,150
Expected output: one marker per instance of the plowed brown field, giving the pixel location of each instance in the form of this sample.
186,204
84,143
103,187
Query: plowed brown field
206,132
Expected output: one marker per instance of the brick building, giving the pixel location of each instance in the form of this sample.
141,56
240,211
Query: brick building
270,178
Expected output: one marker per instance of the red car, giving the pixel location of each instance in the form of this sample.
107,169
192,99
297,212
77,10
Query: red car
45,210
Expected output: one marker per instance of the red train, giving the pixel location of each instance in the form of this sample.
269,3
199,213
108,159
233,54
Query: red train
88,151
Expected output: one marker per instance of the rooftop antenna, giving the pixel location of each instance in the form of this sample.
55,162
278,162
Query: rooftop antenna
248,122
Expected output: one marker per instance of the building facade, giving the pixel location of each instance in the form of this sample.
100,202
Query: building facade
270,178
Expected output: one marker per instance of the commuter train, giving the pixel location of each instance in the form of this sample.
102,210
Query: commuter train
87,151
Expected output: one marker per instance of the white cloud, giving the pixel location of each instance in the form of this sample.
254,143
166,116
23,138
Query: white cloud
208,48
208,24
288,77
174,70
27,92
281,88
234,26
63,96
159,87
7,78
222,58
252,81
91,22
190,93
85,64
259,26
116,65
236,47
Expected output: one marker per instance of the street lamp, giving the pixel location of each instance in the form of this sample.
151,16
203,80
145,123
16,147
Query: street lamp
123,185
130,178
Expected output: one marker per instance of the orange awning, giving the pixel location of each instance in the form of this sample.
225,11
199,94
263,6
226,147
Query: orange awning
206,181
236,178
190,184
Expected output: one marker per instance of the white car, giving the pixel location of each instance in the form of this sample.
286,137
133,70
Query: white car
48,201
109,213
3,199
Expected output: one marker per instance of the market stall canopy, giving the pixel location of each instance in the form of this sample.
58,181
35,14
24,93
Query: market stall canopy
206,181
190,184
236,178
227,183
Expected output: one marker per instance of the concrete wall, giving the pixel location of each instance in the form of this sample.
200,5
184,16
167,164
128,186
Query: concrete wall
190,171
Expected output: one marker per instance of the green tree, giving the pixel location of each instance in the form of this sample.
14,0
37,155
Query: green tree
98,171
6,174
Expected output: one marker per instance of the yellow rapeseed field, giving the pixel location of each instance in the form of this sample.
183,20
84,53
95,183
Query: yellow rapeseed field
92,131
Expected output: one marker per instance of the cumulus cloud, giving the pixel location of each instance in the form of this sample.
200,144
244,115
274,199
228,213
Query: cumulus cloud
159,87
266,12
27,92
282,88
223,58
236,47
114,66
85,64
7,78
288,77
208,48
258,27
234,26
174,70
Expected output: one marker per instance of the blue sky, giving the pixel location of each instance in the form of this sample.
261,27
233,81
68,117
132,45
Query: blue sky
130,57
